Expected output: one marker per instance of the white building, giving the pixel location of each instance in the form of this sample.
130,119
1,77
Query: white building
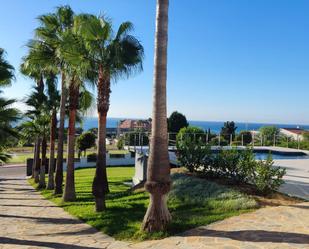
295,133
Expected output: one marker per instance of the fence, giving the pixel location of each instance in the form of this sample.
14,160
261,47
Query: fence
140,140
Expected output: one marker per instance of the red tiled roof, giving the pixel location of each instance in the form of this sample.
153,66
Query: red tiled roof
295,130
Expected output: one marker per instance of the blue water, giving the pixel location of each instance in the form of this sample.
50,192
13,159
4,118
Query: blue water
264,156
215,127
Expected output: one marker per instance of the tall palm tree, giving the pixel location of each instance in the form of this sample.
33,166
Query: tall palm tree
53,105
6,70
31,68
158,173
39,117
69,190
79,100
110,57
29,131
51,30
8,115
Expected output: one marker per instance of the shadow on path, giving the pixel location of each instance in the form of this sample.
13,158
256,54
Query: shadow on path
44,219
22,199
253,236
10,241
19,205
86,231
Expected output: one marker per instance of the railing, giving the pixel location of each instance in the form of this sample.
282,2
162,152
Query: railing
140,140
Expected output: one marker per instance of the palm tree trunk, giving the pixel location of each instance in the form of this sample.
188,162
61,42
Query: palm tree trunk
53,126
100,183
158,173
69,190
59,161
42,182
34,157
37,162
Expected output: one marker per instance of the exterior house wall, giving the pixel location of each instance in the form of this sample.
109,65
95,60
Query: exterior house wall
110,161
291,134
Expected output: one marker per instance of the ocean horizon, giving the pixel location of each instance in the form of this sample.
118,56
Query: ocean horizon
214,126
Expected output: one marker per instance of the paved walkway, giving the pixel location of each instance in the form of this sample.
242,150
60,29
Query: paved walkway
296,178
29,221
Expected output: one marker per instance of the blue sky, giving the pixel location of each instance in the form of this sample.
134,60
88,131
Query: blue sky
242,60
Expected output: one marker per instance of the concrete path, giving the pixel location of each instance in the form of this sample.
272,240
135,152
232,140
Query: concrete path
27,220
296,178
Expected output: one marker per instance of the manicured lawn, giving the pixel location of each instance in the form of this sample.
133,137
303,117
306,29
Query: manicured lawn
193,202
21,157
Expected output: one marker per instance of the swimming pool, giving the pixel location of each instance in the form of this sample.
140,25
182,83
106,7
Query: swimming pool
262,155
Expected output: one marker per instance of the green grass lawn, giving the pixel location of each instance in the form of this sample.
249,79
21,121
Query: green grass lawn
193,202
21,157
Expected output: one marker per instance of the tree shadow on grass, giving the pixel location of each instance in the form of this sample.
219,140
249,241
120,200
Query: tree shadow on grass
118,220
252,235
56,245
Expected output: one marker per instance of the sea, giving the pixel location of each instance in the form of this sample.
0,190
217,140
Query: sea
214,126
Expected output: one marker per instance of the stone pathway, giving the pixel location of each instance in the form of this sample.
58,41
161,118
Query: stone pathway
27,220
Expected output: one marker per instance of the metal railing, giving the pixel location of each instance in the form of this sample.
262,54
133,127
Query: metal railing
140,140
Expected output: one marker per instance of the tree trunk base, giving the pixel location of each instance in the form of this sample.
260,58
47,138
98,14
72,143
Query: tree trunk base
50,185
41,185
69,196
100,204
157,216
58,191
36,177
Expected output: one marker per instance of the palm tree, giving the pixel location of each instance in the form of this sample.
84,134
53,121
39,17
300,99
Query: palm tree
38,126
79,99
8,115
53,104
30,131
110,57
6,70
158,173
51,31
69,190
31,68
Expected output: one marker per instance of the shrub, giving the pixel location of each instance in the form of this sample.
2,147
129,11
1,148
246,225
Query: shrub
216,142
176,121
120,144
246,165
235,165
245,137
266,177
194,133
117,155
193,154
268,133
85,141
92,157
226,163
228,130
136,138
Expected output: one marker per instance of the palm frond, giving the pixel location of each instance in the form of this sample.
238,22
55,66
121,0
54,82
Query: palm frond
6,70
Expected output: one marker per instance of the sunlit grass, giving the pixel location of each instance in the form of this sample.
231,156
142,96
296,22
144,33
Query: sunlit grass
19,156
126,209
